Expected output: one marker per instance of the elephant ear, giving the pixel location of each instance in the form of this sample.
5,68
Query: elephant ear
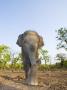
20,40
41,42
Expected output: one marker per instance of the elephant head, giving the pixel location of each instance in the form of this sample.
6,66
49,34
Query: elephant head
30,42
22,38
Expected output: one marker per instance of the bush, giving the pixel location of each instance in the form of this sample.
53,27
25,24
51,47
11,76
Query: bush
43,67
53,67
65,64
49,67
16,66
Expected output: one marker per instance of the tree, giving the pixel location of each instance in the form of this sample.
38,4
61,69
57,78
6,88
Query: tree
44,55
61,57
62,38
4,55
16,61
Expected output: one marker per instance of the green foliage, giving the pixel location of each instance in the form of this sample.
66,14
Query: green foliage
65,64
44,55
61,57
5,59
52,67
17,66
16,62
58,65
43,67
4,55
62,38
3,48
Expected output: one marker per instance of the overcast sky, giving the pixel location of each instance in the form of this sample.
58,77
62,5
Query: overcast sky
43,16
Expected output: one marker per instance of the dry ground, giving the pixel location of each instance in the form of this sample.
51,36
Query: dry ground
51,80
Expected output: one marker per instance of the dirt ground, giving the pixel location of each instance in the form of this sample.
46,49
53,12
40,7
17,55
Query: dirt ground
48,80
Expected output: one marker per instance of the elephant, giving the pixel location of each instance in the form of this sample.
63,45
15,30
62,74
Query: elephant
30,42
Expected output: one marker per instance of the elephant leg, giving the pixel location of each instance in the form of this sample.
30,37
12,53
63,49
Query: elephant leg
27,65
27,70
33,75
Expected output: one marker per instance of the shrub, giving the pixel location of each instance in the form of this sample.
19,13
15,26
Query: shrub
65,64
43,67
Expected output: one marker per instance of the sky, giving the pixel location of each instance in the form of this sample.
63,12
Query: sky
43,16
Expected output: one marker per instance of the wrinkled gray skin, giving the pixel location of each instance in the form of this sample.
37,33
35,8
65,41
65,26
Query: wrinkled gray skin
30,42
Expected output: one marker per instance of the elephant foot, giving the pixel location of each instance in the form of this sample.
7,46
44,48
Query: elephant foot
33,83
29,82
